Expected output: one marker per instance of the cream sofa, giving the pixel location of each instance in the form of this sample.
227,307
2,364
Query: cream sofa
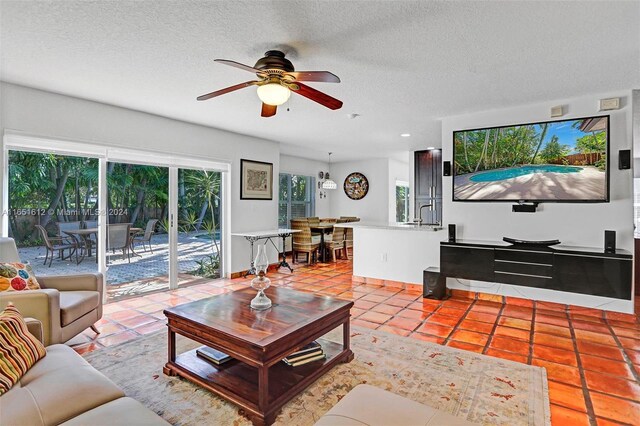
370,406
66,305
62,388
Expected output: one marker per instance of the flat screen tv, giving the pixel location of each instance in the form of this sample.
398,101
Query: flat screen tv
550,161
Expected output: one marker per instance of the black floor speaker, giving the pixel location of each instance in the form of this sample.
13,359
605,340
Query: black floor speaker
434,284
610,241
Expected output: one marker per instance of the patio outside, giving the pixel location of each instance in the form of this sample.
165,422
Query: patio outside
145,273
53,213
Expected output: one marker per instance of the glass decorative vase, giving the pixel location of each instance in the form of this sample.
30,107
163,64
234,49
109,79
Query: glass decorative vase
261,282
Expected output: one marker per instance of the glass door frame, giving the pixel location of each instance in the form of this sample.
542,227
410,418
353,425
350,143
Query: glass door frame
18,141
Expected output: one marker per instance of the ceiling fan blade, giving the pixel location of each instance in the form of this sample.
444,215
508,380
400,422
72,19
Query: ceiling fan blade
226,90
323,76
318,96
237,65
268,110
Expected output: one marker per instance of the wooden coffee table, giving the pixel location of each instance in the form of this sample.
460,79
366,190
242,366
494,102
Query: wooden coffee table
257,379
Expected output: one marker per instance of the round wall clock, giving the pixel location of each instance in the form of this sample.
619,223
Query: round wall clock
356,186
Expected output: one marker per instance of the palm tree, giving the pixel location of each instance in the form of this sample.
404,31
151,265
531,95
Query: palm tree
484,149
466,157
542,135
207,185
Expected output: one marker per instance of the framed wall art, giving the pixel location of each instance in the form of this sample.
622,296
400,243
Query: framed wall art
356,186
256,180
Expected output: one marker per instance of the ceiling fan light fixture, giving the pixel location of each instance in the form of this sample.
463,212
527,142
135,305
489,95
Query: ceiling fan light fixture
273,94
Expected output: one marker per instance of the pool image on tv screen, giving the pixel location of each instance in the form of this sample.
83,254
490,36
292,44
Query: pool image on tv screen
549,161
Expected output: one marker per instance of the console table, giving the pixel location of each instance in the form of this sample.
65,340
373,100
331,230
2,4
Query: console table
252,237
584,270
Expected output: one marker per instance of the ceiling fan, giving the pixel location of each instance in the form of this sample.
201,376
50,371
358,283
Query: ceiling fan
277,78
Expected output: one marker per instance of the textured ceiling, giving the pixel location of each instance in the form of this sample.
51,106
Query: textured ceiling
403,64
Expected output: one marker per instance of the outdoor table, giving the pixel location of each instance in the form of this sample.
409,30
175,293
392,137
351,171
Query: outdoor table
85,236
324,228
254,236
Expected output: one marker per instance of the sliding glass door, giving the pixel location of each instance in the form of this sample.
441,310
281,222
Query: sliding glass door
148,221
137,252
52,198
199,225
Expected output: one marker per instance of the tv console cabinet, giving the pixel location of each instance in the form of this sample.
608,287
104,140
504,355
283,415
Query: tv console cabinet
581,270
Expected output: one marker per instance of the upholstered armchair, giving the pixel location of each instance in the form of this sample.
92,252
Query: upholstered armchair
66,305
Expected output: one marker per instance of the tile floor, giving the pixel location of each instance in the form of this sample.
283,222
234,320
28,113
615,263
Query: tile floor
592,358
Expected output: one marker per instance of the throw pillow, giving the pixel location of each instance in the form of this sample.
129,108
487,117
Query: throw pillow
17,276
19,349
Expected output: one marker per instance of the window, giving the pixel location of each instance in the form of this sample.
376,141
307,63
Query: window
297,198
402,201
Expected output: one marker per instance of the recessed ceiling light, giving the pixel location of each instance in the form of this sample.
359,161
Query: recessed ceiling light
405,135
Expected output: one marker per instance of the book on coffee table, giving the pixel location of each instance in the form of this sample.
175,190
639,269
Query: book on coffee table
308,353
309,348
213,355
307,360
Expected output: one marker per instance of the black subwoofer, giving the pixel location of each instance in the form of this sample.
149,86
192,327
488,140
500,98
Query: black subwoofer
434,285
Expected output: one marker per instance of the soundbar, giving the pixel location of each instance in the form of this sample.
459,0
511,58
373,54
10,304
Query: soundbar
530,242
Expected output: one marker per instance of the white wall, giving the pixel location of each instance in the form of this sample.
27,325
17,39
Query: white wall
573,224
374,206
56,116
306,167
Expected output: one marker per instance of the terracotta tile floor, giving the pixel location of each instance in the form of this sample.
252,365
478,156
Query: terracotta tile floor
592,357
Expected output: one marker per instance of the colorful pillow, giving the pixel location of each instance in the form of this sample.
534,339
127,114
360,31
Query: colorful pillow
17,276
19,349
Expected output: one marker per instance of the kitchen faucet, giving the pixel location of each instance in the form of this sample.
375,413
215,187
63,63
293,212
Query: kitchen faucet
419,220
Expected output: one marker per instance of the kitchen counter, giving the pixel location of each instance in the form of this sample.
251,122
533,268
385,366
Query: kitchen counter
393,251
395,226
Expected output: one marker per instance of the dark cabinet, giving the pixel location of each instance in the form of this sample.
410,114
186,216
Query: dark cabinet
428,185
532,268
570,269
602,276
475,263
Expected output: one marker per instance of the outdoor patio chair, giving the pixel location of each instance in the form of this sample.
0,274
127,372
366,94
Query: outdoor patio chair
67,226
146,237
66,305
119,238
57,244
89,224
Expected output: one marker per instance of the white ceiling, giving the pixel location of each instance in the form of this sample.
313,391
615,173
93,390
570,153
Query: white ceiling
403,64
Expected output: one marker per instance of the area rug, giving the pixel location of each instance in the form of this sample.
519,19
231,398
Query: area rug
479,388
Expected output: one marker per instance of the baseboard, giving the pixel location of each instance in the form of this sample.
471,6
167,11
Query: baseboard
240,274
387,283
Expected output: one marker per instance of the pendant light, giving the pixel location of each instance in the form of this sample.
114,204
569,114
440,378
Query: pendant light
328,183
